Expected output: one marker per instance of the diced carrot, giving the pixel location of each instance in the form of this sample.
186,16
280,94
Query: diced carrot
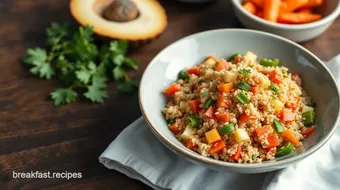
263,130
314,3
298,18
290,136
195,105
287,115
225,88
194,70
273,141
217,147
222,102
175,128
210,112
237,155
258,3
305,10
172,89
190,145
212,57
291,5
245,118
275,77
255,89
308,131
294,104
250,7
271,10
259,14
225,117
223,64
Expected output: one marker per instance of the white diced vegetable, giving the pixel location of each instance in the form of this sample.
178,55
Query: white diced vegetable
278,105
251,57
229,76
307,108
210,62
187,133
241,135
208,73
183,105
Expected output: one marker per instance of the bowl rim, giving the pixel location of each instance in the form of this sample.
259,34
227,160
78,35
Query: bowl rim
332,16
207,160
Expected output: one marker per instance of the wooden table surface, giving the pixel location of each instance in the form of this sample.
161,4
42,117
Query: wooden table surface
35,135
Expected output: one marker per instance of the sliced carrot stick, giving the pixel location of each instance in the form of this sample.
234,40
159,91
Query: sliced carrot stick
298,18
250,7
271,10
292,5
290,136
314,3
305,10
258,3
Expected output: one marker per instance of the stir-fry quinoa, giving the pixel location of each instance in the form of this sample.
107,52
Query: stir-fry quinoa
239,110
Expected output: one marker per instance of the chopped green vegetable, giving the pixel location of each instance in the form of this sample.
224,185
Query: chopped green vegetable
200,81
171,121
269,62
308,118
187,92
275,88
226,129
243,86
80,64
312,105
285,149
233,57
183,75
253,157
193,122
307,108
205,93
242,98
278,126
208,103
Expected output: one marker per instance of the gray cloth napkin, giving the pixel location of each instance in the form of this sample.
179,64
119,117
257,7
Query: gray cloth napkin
137,153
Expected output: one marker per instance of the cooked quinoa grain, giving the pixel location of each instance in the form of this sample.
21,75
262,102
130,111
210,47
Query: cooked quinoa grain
244,110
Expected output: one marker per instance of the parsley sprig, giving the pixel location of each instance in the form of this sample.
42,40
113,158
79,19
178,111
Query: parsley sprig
245,73
83,67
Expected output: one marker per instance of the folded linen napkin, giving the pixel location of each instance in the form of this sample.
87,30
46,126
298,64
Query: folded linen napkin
144,158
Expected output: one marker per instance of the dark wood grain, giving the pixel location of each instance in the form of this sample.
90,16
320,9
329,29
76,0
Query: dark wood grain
37,136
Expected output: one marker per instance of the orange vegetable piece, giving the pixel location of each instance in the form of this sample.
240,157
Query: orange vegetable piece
314,3
259,131
255,89
225,117
287,115
298,18
222,102
290,136
259,14
199,88
245,118
195,105
190,145
271,10
210,112
212,57
295,104
225,87
217,147
175,128
275,77
250,7
273,141
291,5
172,89
258,3
223,64
308,131
194,70
305,10
237,155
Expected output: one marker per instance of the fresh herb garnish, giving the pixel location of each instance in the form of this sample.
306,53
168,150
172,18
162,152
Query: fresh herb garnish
80,64
245,73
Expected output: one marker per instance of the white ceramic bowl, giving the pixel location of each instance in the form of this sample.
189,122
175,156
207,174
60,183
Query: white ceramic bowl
298,33
189,51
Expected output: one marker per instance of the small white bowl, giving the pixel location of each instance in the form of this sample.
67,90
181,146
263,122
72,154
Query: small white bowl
297,32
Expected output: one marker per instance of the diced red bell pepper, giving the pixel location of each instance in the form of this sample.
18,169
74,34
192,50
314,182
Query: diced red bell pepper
223,64
195,105
190,145
273,141
222,102
225,117
172,89
210,112
308,131
245,118
275,77
287,115
238,59
295,104
217,147
194,70
237,155
175,128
